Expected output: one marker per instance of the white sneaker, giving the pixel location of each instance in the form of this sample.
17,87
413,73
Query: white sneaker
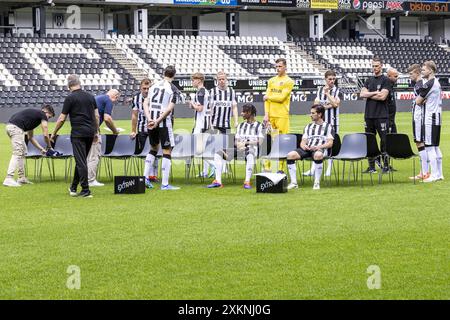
10,182
95,183
441,178
308,173
292,186
24,181
72,193
430,179
316,186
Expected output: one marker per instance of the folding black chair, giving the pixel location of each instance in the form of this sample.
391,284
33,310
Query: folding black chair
398,147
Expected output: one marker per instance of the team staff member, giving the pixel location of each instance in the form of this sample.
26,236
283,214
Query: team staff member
276,104
105,107
376,116
84,120
392,74
20,123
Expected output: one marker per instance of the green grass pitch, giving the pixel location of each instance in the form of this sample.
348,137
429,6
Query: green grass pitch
231,243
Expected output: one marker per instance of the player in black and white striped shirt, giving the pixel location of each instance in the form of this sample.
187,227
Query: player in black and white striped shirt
329,97
223,104
317,138
202,109
418,125
249,137
158,107
139,130
430,99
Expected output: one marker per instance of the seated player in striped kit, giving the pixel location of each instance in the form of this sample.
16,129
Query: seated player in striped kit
202,109
430,99
249,137
317,138
328,97
417,122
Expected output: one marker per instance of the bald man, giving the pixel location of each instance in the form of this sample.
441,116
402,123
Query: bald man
105,107
392,74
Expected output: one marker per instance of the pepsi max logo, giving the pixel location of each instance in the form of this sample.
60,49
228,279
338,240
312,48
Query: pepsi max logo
356,4
394,5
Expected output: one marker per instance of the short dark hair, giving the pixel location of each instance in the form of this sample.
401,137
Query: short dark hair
283,60
249,108
170,72
377,59
48,108
330,73
319,109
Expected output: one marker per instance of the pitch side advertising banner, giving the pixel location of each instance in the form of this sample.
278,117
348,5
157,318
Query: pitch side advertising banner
207,2
324,4
268,3
423,6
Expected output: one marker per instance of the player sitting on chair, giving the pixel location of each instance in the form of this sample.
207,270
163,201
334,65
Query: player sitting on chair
316,140
249,137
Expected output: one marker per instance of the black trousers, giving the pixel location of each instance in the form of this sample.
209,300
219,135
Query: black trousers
392,125
81,147
379,126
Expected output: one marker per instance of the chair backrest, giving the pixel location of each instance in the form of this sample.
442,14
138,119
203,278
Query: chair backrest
336,145
64,145
398,146
283,144
108,141
124,146
144,151
207,145
354,146
32,150
372,146
184,146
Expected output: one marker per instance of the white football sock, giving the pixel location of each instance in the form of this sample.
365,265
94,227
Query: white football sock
149,160
292,172
249,167
439,172
219,162
433,162
318,171
165,168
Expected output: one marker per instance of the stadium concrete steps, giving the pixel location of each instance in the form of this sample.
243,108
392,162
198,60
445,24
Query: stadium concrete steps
307,57
128,64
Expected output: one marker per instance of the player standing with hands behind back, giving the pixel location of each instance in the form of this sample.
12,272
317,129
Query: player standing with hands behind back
276,104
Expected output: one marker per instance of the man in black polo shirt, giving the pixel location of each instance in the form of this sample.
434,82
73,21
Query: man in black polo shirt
84,119
376,116
20,123
392,75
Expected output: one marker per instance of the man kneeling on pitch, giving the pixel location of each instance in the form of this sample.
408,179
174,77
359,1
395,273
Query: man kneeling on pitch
316,140
249,136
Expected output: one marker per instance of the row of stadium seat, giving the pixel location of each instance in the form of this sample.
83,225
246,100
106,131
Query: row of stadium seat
44,63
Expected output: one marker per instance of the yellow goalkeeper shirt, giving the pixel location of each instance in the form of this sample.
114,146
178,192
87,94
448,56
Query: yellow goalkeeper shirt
279,96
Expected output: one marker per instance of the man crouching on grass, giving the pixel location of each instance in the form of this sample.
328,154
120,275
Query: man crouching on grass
316,140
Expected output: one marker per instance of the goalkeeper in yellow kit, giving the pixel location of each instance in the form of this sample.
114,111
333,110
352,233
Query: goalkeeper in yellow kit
276,105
